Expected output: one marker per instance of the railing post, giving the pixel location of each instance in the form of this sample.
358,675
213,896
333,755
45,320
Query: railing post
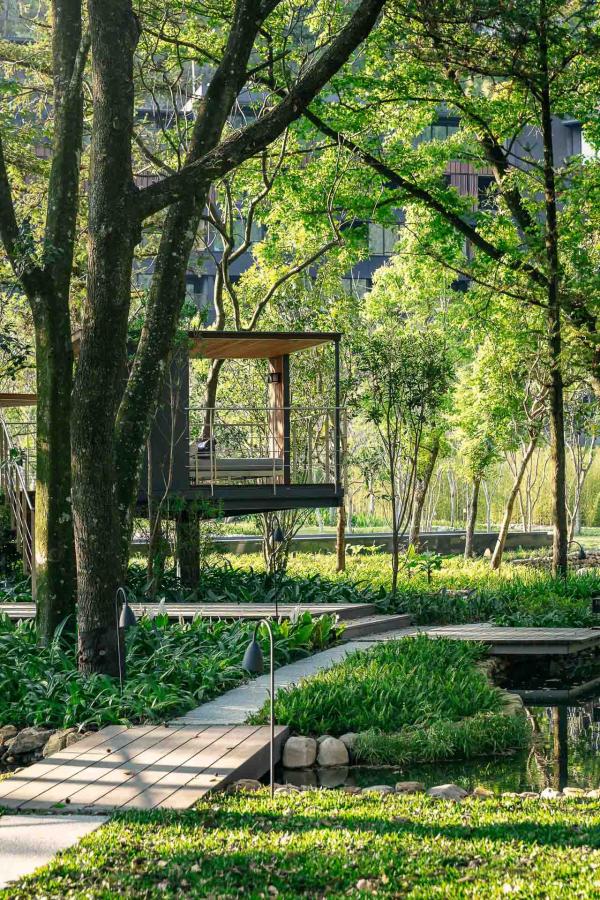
338,459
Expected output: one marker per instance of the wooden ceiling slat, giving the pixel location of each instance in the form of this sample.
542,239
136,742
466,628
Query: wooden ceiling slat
258,345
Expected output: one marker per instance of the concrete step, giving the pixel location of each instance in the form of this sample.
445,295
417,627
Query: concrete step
375,625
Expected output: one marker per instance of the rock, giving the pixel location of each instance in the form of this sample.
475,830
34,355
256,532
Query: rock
573,792
28,740
246,784
6,733
332,753
349,740
480,791
352,789
321,738
58,741
550,794
594,794
299,753
528,795
487,553
286,789
410,787
447,792
74,738
378,789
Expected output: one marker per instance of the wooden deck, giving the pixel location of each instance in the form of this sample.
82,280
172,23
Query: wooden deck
188,611
504,641
142,768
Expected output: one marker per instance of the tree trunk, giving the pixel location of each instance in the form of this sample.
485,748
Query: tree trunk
557,419
155,566
54,545
496,559
472,518
210,396
102,367
340,540
188,549
421,489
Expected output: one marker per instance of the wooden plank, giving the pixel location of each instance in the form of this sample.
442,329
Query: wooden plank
160,793
58,785
223,770
119,777
136,793
41,771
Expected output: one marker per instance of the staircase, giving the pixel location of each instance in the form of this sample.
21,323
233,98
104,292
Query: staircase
17,493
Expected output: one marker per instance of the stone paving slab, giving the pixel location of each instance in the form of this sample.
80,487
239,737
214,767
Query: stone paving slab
28,842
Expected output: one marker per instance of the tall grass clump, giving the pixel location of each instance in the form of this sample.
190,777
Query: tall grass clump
485,734
416,681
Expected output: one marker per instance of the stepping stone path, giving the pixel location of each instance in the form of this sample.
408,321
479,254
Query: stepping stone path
28,842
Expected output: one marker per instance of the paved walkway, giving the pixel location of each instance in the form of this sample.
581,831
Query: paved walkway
28,842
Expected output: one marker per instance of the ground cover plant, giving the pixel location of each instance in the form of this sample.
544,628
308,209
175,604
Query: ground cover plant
330,844
170,668
461,591
416,699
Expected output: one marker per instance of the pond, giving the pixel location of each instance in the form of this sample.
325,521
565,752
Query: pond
565,751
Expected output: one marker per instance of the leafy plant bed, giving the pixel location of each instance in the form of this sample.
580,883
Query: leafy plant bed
411,700
461,591
330,844
170,669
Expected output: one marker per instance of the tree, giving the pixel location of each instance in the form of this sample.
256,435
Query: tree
476,433
504,75
113,398
404,374
583,425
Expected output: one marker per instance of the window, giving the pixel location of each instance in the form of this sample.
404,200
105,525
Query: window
382,240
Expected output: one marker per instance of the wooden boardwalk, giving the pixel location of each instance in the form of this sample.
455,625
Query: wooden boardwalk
506,641
188,611
142,768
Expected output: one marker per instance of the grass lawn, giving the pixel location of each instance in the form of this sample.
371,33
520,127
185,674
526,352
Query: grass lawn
329,844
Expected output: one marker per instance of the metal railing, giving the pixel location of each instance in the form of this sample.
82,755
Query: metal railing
15,478
264,444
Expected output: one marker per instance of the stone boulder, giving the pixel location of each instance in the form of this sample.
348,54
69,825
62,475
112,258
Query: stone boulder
410,787
299,753
245,784
349,740
332,752
6,733
573,792
550,794
58,741
28,741
378,789
447,792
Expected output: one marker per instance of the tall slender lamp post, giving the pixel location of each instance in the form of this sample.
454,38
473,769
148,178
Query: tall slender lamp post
254,663
125,619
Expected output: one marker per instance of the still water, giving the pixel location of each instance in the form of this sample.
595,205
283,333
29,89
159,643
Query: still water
565,751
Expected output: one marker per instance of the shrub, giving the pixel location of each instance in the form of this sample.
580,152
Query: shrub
170,669
412,682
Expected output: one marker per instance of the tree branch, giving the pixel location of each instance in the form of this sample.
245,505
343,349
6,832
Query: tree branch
195,177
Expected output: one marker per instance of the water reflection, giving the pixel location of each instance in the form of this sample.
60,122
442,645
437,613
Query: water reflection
565,752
